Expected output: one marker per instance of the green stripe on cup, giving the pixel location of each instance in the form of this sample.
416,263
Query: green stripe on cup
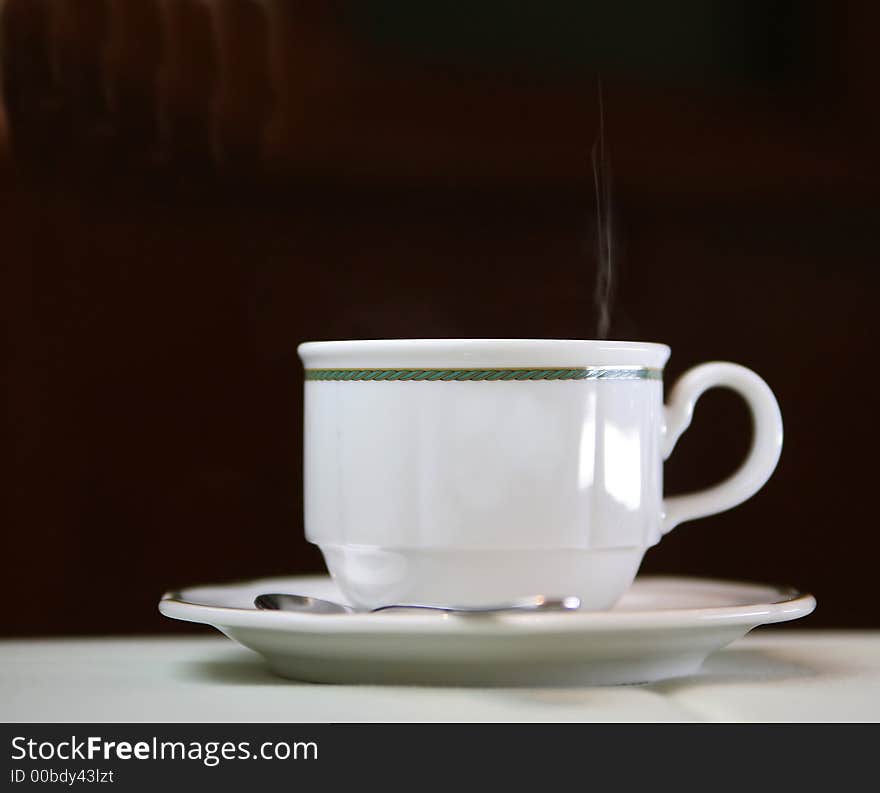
496,375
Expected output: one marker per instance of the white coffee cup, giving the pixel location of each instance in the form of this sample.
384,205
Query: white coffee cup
473,471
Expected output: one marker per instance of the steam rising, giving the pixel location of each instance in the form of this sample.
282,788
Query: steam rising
604,292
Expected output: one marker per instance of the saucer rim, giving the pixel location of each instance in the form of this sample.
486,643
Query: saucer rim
791,604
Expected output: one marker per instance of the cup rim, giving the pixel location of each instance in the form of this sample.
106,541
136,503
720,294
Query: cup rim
464,352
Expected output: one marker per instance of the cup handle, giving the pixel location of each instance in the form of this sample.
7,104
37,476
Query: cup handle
766,439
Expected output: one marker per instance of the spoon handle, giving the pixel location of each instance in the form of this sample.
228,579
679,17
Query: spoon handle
537,603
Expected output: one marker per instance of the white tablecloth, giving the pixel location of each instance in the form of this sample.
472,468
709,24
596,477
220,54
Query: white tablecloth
767,676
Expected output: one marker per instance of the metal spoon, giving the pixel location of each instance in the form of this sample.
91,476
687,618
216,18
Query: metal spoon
304,603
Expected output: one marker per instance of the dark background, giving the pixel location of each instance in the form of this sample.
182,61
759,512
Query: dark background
190,188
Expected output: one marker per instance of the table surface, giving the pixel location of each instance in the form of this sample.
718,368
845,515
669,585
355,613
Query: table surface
776,676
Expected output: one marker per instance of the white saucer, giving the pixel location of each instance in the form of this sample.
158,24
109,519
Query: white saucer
663,627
